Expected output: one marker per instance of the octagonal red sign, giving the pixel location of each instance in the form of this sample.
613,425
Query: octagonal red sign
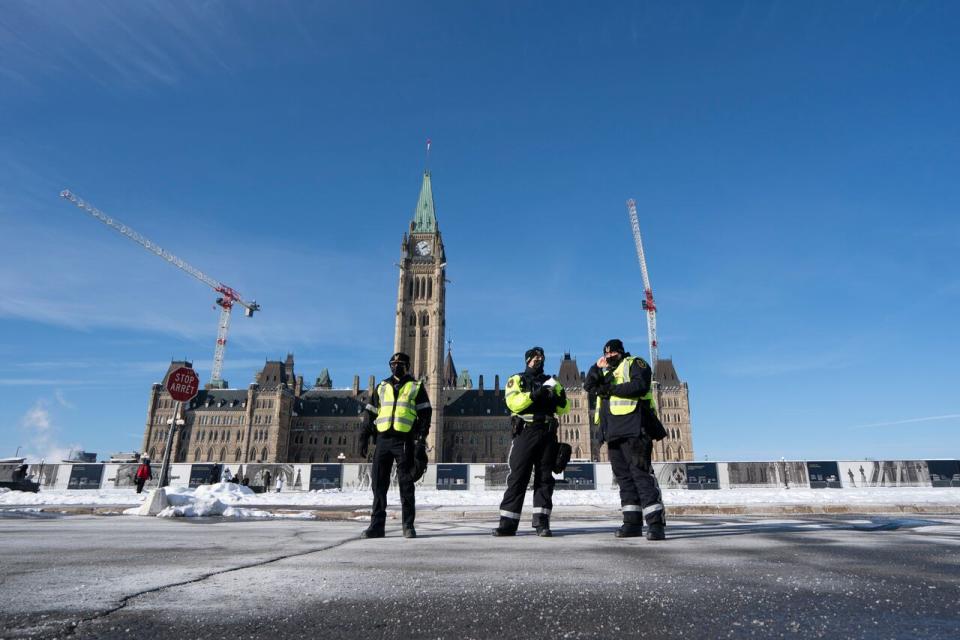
183,384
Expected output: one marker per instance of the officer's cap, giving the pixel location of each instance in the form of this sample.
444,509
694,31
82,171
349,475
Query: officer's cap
614,345
533,351
400,357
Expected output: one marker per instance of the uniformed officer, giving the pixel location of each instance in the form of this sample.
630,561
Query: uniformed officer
622,384
398,418
534,400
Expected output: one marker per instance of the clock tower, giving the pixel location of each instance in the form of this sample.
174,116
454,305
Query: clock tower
421,300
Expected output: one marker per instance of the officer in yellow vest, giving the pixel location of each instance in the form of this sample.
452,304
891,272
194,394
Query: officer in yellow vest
398,418
622,384
534,399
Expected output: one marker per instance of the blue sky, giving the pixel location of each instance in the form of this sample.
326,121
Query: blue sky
794,164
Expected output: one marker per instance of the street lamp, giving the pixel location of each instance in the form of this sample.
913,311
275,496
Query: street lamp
341,457
174,422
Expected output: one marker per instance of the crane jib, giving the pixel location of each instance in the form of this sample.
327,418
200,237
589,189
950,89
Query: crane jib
230,295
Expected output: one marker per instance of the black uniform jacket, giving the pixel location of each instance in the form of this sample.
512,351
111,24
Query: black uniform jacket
544,404
422,426
617,427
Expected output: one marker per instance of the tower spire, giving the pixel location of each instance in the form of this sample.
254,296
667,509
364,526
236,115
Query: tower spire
425,217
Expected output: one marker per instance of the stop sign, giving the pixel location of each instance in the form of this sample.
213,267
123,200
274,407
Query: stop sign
183,384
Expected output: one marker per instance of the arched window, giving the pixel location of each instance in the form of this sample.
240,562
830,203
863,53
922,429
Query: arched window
150,455
669,455
579,452
264,453
416,288
409,288
210,454
680,452
196,455
326,456
253,453
429,289
237,455
223,455
426,320
577,432
413,319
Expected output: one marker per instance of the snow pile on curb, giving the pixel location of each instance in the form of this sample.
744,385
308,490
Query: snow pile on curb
215,500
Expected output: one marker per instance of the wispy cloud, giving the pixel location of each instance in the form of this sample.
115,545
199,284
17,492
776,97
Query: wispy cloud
40,430
949,416
115,43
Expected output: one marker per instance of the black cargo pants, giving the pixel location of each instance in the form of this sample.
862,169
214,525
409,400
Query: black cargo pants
640,496
533,449
392,448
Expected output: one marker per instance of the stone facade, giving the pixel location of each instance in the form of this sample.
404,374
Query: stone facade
277,420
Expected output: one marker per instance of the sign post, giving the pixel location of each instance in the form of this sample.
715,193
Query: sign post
182,385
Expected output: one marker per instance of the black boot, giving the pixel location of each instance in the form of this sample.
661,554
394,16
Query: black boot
632,524
371,532
543,528
656,531
629,531
409,532
507,527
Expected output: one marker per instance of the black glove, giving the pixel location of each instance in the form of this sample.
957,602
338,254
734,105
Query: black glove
604,390
544,392
364,447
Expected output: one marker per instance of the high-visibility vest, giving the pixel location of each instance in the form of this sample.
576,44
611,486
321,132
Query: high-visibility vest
622,406
519,400
400,412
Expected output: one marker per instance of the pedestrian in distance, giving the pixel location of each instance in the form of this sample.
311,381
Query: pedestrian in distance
227,476
534,400
143,474
627,419
279,482
398,418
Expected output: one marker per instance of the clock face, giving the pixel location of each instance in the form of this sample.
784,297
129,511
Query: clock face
423,248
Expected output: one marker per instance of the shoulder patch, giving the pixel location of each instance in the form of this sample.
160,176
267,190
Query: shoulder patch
510,382
643,363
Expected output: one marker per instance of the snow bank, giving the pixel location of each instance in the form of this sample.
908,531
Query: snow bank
217,500
237,501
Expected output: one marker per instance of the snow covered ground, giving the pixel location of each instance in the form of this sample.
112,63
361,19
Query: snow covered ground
234,501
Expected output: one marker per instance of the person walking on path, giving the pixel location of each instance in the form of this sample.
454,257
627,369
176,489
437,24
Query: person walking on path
143,474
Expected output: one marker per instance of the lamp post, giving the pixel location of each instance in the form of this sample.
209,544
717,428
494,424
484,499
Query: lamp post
174,422
341,457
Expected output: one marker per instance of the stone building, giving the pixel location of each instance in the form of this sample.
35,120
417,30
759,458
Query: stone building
277,419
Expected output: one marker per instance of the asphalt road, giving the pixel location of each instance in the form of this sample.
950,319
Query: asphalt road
130,577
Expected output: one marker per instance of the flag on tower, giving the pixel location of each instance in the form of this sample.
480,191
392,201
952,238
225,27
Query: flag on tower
428,144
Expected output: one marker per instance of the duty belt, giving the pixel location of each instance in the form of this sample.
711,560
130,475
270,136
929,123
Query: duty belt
535,418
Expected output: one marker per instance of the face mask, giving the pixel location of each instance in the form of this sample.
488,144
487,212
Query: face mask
613,360
537,368
398,369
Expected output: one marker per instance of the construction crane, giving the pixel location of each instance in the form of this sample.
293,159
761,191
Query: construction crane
648,304
228,295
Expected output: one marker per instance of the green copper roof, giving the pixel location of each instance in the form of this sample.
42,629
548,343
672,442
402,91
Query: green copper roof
425,219
324,380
